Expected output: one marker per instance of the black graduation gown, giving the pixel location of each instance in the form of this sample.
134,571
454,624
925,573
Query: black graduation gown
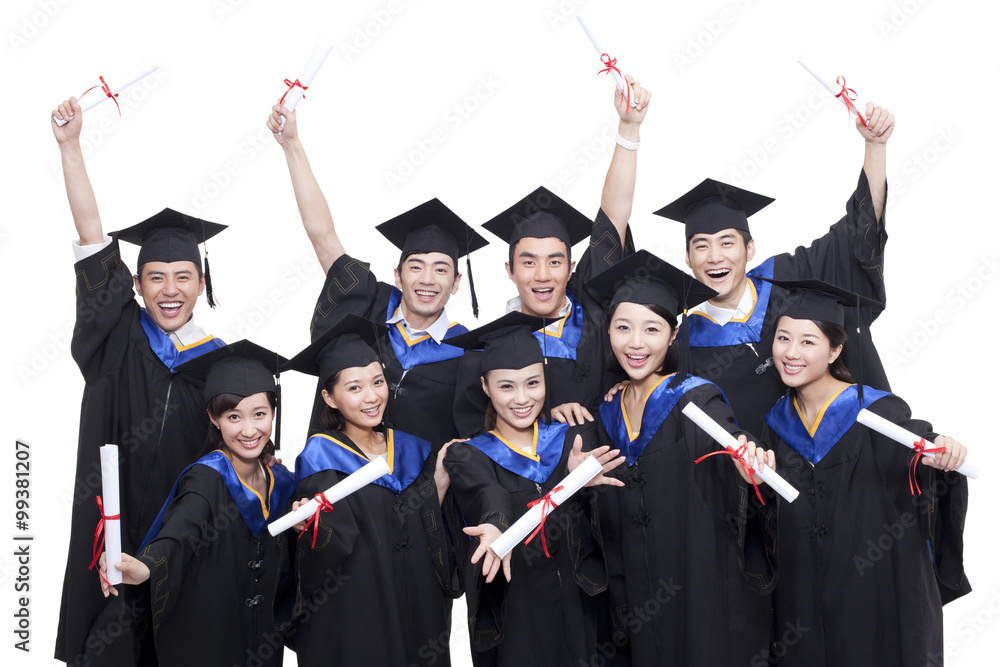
737,356
377,587
690,551
580,367
543,616
865,565
214,572
157,419
421,375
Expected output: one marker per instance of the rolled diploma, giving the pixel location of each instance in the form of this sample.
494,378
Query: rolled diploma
355,481
904,437
316,59
725,438
600,52
834,90
572,483
116,85
112,506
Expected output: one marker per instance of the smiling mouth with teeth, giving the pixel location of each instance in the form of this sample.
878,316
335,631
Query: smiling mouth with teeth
717,273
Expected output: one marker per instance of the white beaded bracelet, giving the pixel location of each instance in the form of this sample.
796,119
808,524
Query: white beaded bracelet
626,144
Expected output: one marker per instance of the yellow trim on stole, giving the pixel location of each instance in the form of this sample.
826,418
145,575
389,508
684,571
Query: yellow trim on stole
819,418
267,473
406,339
534,443
388,442
188,347
753,291
628,426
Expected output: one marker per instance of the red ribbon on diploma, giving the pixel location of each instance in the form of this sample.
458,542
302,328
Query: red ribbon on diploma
611,64
98,542
738,455
919,449
107,91
847,95
324,506
547,506
291,84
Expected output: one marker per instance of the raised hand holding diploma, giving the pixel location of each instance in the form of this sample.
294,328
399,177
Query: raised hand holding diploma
953,453
610,64
732,445
840,90
297,88
109,90
110,522
353,482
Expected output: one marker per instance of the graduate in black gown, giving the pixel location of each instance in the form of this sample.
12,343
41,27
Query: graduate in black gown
541,230
538,611
375,574
689,545
132,397
731,334
419,368
872,548
212,567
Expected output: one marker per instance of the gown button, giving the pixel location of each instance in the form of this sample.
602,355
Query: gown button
255,565
254,601
402,543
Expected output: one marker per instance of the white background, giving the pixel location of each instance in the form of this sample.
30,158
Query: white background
512,90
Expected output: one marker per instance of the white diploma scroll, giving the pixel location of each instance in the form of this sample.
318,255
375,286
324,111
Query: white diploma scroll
309,71
115,85
353,482
619,81
830,84
724,438
111,499
904,437
570,484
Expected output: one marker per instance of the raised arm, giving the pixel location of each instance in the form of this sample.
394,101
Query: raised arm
880,126
619,185
313,208
82,202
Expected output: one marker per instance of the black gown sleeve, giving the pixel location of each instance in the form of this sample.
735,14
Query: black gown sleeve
477,489
105,311
605,249
350,287
942,504
730,498
187,531
440,524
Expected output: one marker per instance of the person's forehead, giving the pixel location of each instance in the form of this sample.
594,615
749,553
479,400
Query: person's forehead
429,258
549,245
170,268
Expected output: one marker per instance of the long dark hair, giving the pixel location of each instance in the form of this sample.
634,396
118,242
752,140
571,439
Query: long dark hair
672,360
221,404
331,419
837,336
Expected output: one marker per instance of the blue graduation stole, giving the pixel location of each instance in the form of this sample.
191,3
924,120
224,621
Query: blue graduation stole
167,350
537,466
835,419
562,343
656,408
706,332
406,458
251,505
422,350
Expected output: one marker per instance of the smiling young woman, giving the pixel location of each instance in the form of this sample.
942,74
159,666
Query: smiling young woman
872,548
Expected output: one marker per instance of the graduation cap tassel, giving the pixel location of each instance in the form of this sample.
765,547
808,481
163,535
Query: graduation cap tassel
545,374
683,363
472,287
209,292
277,400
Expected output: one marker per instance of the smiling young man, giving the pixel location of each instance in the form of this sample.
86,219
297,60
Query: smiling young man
541,230
132,397
419,367
731,335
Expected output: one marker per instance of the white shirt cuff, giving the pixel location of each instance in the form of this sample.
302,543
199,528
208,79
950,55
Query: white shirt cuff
84,251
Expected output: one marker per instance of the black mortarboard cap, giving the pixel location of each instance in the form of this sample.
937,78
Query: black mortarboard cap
242,368
433,227
171,236
813,299
540,215
507,342
712,206
347,344
644,278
